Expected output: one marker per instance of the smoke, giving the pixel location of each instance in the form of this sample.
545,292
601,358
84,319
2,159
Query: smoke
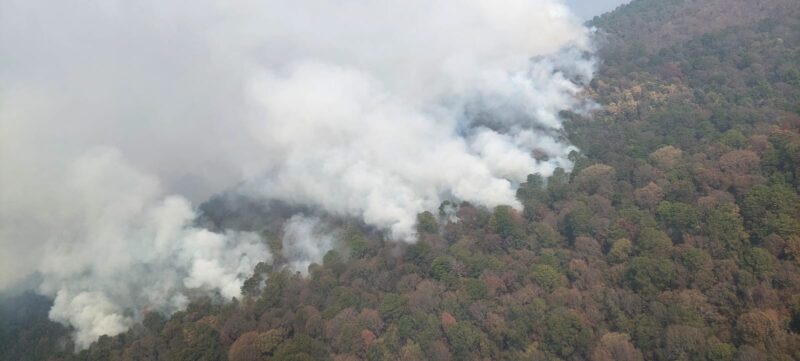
306,241
424,102
116,115
115,246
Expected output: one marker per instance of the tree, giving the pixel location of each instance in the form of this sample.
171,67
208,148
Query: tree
647,332
420,254
339,299
412,352
684,343
620,251
532,189
546,277
648,196
760,261
695,260
565,334
721,351
442,270
545,236
576,223
653,243
597,178
359,246
761,328
245,348
393,306
301,347
197,342
267,342
447,320
726,232
666,158
465,340
733,138
426,223
740,169
648,275
615,347
678,217
588,248
793,248
475,289
507,224
557,184
771,209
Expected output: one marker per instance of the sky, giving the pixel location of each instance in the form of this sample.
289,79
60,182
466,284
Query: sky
587,9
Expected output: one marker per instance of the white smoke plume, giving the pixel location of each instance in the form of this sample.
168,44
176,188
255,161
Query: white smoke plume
371,109
415,103
118,247
306,241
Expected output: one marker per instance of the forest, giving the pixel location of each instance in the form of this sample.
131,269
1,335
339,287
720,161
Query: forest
675,237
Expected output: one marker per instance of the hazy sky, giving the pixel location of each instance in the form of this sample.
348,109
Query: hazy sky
587,9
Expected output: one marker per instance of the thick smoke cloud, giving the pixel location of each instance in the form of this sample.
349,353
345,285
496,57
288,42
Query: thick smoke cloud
122,248
425,101
359,108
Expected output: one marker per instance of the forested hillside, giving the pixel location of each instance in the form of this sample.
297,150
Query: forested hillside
676,237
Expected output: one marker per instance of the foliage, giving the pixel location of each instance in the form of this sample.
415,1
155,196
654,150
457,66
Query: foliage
676,237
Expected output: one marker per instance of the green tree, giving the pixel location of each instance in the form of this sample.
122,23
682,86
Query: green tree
442,270
199,342
726,232
504,224
694,259
420,254
557,184
393,306
532,189
339,299
769,209
252,286
721,351
544,235
475,288
733,138
678,217
648,275
653,243
620,251
465,340
426,223
760,262
546,277
301,347
359,246
565,334
577,223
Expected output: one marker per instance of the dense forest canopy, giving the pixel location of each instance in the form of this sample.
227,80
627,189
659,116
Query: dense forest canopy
675,237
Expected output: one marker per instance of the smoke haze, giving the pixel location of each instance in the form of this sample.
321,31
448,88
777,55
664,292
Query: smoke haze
305,241
115,116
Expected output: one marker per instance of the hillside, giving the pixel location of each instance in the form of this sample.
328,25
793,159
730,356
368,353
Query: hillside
676,237
689,93
658,24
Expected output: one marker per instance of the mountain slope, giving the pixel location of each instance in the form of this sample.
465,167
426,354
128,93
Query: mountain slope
676,237
656,24
691,90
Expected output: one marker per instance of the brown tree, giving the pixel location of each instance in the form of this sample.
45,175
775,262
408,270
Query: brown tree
666,158
615,347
